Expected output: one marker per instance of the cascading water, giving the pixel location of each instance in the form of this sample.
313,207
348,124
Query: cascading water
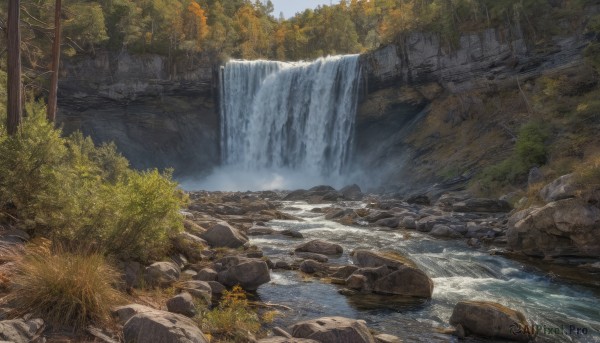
289,117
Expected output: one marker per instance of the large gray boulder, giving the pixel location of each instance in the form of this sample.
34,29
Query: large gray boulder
162,274
249,273
366,258
407,281
561,188
333,330
160,326
182,303
20,330
320,247
197,289
223,235
490,319
569,227
352,192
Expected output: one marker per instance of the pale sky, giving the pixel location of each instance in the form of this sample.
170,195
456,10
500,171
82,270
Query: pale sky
291,7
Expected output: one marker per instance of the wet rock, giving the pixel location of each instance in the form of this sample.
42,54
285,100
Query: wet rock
160,326
392,222
246,272
385,338
282,265
406,281
490,320
408,222
420,199
426,224
298,194
223,235
312,266
482,205
352,192
566,227
563,187
291,233
356,281
367,258
344,272
320,247
444,231
206,274
374,216
312,256
20,330
162,274
183,304
260,231
333,330
338,213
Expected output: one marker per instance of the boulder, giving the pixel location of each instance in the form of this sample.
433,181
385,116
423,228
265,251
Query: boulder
298,194
197,289
333,330
182,303
568,227
563,187
482,205
216,287
20,330
490,319
164,327
322,188
385,338
320,247
124,313
312,256
375,216
292,233
223,235
420,199
407,281
426,224
392,222
162,274
206,274
443,231
367,258
344,272
246,272
312,266
352,192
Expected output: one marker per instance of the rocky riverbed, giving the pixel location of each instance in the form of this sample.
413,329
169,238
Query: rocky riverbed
343,266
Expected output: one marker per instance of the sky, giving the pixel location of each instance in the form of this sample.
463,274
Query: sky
291,7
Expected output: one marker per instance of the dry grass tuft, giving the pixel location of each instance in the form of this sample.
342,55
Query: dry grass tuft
65,289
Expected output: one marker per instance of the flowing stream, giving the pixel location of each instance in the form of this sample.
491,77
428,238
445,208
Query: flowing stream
458,271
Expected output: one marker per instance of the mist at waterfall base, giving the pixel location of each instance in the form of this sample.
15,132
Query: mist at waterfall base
285,125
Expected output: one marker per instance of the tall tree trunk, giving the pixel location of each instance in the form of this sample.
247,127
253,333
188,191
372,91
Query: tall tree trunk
14,107
51,114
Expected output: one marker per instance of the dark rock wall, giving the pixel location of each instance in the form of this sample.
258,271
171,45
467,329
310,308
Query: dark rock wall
157,117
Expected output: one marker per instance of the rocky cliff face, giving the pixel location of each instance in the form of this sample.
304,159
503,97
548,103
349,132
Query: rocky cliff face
157,117
407,136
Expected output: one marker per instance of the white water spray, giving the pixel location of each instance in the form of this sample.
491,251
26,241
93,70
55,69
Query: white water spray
282,118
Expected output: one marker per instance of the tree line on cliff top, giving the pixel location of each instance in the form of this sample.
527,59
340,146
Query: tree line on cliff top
247,29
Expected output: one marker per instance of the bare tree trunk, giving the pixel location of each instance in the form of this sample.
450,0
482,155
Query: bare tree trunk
51,114
14,106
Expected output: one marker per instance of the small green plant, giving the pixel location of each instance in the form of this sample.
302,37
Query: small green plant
233,320
65,289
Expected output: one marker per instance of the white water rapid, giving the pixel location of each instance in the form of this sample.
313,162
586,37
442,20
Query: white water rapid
286,125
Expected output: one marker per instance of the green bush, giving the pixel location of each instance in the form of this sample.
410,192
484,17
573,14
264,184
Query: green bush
68,190
530,150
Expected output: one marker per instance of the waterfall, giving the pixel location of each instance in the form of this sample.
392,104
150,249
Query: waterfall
289,116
